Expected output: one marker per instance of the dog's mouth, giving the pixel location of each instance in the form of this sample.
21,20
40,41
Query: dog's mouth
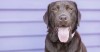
63,31
63,24
63,34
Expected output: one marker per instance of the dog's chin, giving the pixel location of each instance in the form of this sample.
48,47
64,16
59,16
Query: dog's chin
63,34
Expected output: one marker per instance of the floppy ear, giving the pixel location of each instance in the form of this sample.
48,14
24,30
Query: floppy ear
78,18
46,16
78,14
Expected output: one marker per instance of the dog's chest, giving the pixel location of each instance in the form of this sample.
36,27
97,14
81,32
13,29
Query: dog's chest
62,48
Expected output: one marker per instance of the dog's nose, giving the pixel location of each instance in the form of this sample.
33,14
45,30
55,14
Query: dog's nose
63,18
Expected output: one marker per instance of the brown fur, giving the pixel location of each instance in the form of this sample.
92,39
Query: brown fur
51,18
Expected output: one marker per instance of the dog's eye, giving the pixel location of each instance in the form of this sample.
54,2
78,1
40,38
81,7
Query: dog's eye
54,9
57,7
71,8
68,8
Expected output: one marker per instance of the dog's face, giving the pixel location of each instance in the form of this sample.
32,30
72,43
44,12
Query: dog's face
64,16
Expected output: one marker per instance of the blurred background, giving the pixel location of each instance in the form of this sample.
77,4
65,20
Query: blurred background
22,28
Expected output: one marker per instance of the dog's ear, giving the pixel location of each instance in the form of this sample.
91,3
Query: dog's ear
78,14
46,15
78,17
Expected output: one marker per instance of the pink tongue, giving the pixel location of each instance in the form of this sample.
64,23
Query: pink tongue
63,34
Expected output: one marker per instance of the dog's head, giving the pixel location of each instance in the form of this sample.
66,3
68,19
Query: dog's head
63,16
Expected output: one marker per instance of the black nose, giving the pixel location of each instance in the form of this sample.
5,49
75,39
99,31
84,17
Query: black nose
63,18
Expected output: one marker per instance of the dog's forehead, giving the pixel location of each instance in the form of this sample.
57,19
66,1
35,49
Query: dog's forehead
64,3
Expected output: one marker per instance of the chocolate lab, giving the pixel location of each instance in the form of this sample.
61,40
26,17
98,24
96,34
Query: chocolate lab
62,19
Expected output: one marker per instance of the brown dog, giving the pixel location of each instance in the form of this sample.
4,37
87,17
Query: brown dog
62,19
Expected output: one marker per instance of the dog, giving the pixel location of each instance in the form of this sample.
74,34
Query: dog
62,19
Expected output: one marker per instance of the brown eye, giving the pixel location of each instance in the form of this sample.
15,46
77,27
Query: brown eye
71,8
57,7
53,9
67,7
